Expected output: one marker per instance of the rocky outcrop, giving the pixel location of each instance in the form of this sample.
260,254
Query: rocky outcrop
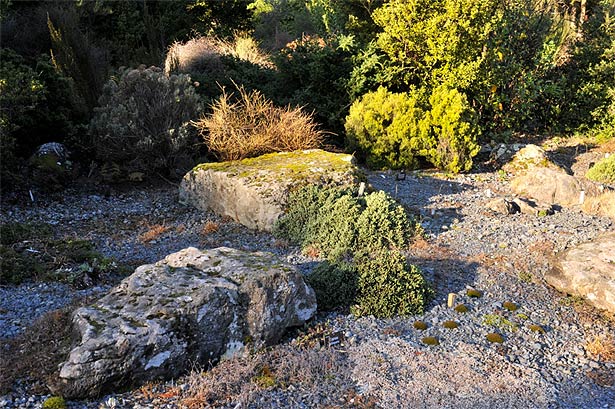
588,270
540,179
255,191
192,307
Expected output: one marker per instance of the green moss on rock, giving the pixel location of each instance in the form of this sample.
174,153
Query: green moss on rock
54,402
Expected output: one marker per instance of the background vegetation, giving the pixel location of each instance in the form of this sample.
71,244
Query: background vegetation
403,83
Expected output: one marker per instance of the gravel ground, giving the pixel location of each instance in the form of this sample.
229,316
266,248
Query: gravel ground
466,246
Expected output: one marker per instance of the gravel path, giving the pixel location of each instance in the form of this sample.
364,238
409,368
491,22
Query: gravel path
467,246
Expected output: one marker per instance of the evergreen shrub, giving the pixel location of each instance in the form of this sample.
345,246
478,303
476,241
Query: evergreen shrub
362,240
603,171
143,121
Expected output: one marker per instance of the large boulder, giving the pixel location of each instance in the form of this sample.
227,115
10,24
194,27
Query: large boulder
192,307
255,191
588,270
539,178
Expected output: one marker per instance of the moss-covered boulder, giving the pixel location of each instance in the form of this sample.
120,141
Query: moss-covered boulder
254,191
193,307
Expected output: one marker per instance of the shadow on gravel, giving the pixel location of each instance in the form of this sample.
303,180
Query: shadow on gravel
432,200
447,273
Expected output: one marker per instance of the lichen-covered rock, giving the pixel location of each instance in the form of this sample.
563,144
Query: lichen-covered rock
588,270
192,307
527,158
255,191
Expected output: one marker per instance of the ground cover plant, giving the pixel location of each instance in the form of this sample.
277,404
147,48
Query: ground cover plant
30,252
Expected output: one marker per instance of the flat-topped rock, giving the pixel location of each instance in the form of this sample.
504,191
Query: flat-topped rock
193,307
255,191
588,270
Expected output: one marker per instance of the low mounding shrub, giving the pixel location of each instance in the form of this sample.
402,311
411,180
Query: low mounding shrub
252,125
389,286
603,171
362,240
335,284
394,130
143,121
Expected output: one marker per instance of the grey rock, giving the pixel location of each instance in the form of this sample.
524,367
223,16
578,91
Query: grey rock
255,191
530,207
588,270
192,307
503,206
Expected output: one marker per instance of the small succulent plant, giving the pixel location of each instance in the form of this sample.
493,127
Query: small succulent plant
461,308
430,341
495,337
450,324
420,325
474,293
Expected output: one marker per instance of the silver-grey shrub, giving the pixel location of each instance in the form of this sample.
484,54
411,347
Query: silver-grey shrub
143,120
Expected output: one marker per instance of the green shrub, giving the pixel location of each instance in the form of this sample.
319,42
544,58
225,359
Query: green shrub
385,127
454,129
334,230
253,126
335,284
389,286
143,120
383,224
393,130
361,238
603,171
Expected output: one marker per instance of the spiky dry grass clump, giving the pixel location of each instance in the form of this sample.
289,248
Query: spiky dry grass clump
602,347
601,205
252,125
202,54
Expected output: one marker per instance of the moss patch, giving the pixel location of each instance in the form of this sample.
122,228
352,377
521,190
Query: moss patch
288,167
474,293
510,306
450,324
461,308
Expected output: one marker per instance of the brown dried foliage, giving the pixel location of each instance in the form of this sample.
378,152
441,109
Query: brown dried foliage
601,347
202,54
252,125
210,227
37,352
237,380
153,232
